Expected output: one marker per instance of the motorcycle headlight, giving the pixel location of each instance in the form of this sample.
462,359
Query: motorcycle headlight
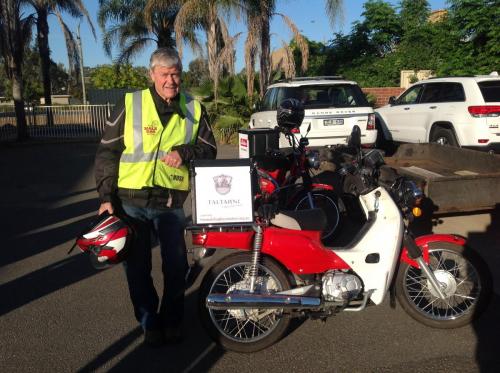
313,159
414,191
406,193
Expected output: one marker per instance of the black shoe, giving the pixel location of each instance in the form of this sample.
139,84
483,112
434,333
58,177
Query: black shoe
153,338
173,334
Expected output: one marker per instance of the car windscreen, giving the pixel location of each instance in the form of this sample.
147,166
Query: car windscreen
327,96
490,90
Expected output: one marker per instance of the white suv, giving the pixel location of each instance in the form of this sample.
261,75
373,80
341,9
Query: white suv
458,111
332,107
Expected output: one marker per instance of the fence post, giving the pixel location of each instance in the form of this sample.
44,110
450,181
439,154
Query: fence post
33,115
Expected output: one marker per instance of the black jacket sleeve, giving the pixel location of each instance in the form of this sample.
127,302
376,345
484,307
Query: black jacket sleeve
108,154
204,147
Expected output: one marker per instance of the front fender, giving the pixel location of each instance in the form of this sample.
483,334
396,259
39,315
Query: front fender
424,241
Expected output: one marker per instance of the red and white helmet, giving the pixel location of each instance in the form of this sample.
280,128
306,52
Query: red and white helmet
107,241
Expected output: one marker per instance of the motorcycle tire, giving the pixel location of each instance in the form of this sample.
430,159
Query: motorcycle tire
244,330
467,286
328,201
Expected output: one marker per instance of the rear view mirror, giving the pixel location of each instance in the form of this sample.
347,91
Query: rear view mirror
392,100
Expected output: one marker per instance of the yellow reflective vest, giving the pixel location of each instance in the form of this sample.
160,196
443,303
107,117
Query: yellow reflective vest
147,141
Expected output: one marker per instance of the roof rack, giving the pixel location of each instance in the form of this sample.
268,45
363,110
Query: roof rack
305,78
323,77
451,76
493,74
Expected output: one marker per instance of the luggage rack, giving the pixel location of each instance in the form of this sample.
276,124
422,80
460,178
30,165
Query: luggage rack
307,78
231,227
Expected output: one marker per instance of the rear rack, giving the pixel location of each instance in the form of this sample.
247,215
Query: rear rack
230,227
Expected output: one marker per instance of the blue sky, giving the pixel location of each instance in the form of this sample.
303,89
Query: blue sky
308,15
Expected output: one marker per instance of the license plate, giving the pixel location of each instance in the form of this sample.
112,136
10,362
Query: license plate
333,122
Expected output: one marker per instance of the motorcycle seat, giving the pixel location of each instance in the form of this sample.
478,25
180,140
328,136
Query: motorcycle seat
306,220
271,163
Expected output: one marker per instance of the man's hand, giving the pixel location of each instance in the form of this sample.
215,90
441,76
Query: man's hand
106,206
173,159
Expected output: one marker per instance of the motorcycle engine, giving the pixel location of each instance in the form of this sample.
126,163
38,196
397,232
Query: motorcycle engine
340,286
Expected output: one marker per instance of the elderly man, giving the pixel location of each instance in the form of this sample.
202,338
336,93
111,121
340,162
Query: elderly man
141,170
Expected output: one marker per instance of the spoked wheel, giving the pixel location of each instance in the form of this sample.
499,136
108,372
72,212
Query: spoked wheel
464,278
244,330
328,202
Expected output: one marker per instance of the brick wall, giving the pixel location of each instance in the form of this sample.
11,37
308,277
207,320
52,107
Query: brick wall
383,93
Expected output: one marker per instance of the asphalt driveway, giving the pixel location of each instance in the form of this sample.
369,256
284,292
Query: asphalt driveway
58,314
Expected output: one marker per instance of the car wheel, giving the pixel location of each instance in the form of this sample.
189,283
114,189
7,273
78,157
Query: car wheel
443,136
383,143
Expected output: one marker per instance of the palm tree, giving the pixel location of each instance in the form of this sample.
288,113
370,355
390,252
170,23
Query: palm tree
72,52
127,23
203,15
43,8
259,15
15,34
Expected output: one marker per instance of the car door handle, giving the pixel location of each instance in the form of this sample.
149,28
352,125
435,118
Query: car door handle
432,107
407,108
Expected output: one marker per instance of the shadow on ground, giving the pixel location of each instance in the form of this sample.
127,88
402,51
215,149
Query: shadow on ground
487,244
197,353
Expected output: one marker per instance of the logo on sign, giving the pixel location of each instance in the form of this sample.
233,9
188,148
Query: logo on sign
222,184
243,142
152,128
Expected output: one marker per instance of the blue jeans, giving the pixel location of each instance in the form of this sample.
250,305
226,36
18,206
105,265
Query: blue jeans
167,226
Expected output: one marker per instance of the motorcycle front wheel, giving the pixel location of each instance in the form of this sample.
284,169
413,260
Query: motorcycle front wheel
244,330
465,280
328,202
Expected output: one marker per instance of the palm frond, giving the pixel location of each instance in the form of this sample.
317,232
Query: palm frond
188,18
71,47
132,48
301,41
226,55
155,7
288,62
76,9
334,10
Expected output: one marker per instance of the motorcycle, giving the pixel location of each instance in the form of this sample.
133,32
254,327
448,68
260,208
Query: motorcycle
281,269
287,180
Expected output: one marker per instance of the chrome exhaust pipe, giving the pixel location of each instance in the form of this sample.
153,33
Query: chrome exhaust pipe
231,301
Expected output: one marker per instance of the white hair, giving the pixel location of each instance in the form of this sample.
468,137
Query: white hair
167,57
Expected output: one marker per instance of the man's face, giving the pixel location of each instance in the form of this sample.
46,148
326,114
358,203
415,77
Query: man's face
167,81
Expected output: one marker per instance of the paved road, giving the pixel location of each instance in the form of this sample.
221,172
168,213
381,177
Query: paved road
57,314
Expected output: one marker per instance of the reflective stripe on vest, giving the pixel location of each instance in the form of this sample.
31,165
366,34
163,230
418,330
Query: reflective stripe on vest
147,141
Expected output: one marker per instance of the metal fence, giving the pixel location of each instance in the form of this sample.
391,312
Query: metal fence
56,121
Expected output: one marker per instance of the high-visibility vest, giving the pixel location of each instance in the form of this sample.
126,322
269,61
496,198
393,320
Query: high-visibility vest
147,141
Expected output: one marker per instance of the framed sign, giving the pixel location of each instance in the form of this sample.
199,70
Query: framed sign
221,192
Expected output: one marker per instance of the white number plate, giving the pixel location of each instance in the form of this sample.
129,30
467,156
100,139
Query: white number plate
333,122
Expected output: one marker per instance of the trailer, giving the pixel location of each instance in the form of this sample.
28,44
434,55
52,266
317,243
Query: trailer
453,179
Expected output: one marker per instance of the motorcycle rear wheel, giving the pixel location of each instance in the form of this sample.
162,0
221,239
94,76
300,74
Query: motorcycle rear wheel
328,202
466,283
244,330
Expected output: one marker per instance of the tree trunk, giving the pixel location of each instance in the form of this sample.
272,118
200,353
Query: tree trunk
12,51
213,66
265,49
165,38
250,76
17,89
44,51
